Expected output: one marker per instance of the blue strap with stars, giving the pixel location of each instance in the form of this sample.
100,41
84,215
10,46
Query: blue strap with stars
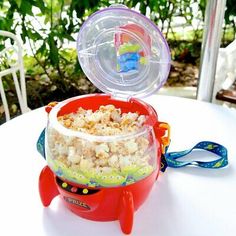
169,159
41,144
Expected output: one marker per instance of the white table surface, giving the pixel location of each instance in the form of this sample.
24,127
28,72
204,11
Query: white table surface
185,202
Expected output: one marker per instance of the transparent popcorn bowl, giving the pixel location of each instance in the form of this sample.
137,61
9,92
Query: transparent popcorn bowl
101,161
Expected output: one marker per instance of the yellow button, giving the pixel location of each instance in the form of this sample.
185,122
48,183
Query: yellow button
85,191
64,185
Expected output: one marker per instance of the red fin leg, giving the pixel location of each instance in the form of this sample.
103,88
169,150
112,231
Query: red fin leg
126,210
47,186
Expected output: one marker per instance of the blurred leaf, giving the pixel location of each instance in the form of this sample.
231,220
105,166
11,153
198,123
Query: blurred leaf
47,19
18,2
42,50
53,53
40,4
26,8
2,109
69,37
230,10
6,85
143,8
34,35
5,24
14,108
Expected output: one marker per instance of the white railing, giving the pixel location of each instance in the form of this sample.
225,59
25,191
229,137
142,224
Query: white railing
15,66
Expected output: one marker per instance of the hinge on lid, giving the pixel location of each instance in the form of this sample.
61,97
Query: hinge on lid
121,96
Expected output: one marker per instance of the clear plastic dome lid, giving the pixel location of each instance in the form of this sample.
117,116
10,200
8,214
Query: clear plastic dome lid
123,53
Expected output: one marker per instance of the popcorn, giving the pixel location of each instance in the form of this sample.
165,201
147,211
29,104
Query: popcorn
115,115
113,161
141,120
102,150
125,161
72,156
131,146
107,120
85,164
105,163
114,147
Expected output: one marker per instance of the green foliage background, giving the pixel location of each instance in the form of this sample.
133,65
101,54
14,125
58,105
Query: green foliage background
56,69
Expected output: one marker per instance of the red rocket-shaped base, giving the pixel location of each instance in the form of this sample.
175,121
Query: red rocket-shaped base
99,204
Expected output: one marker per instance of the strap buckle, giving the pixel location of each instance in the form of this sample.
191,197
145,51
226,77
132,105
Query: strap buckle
165,138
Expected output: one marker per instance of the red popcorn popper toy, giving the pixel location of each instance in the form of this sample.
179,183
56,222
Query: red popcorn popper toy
125,55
